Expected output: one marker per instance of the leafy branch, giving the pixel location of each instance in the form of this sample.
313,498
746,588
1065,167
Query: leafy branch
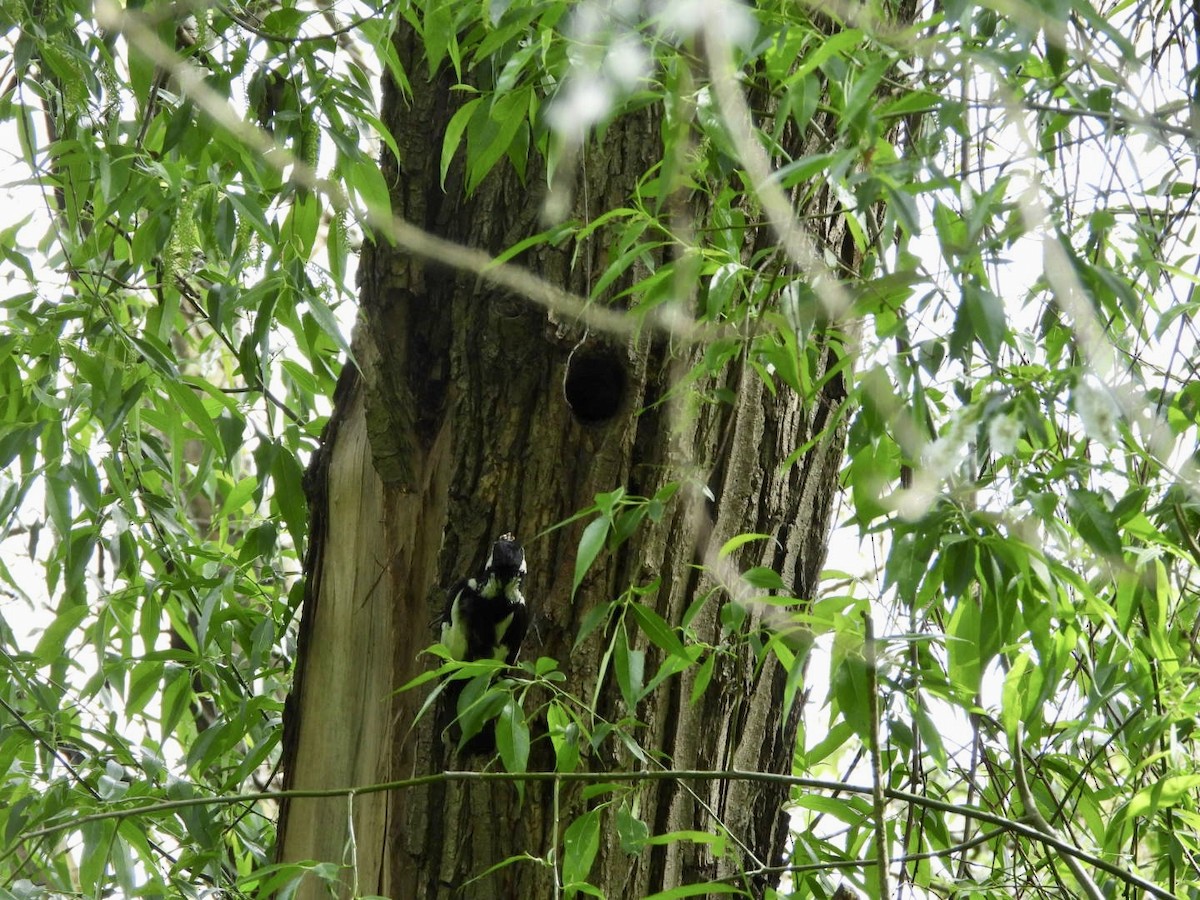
816,784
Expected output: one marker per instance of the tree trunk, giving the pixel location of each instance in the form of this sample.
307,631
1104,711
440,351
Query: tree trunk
458,429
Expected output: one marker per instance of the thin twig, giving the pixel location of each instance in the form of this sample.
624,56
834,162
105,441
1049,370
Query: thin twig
554,858
1034,815
878,803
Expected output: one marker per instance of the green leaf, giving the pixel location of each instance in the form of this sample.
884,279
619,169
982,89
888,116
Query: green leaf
764,579
95,854
454,130
608,502
288,495
300,226
1012,709
740,540
1166,793
488,138
703,676
631,830
324,316
591,619
962,647
850,688
285,21
630,669
696,890
827,48
512,740
253,213
144,682
590,544
655,627
581,841
1094,522
186,399
438,31
564,735
53,640
838,734
479,703
366,179
715,841
337,251
986,313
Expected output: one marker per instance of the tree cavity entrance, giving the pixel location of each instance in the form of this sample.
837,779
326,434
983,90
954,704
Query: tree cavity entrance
594,385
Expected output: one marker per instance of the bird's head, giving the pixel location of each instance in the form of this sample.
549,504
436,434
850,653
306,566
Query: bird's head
505,567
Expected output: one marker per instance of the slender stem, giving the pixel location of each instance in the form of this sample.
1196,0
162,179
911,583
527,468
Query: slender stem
554,846
351,843
1034,815
878,801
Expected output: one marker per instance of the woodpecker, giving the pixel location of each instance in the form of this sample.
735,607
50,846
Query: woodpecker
486,617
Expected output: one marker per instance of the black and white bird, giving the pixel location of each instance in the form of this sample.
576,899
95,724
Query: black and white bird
486,617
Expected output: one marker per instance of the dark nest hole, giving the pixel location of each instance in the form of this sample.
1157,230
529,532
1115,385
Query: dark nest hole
594,385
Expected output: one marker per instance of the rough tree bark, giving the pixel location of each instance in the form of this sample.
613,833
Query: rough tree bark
458,429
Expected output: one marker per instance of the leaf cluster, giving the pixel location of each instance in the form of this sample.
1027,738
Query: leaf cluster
1000,203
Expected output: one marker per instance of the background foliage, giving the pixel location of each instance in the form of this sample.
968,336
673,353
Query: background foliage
1021,470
